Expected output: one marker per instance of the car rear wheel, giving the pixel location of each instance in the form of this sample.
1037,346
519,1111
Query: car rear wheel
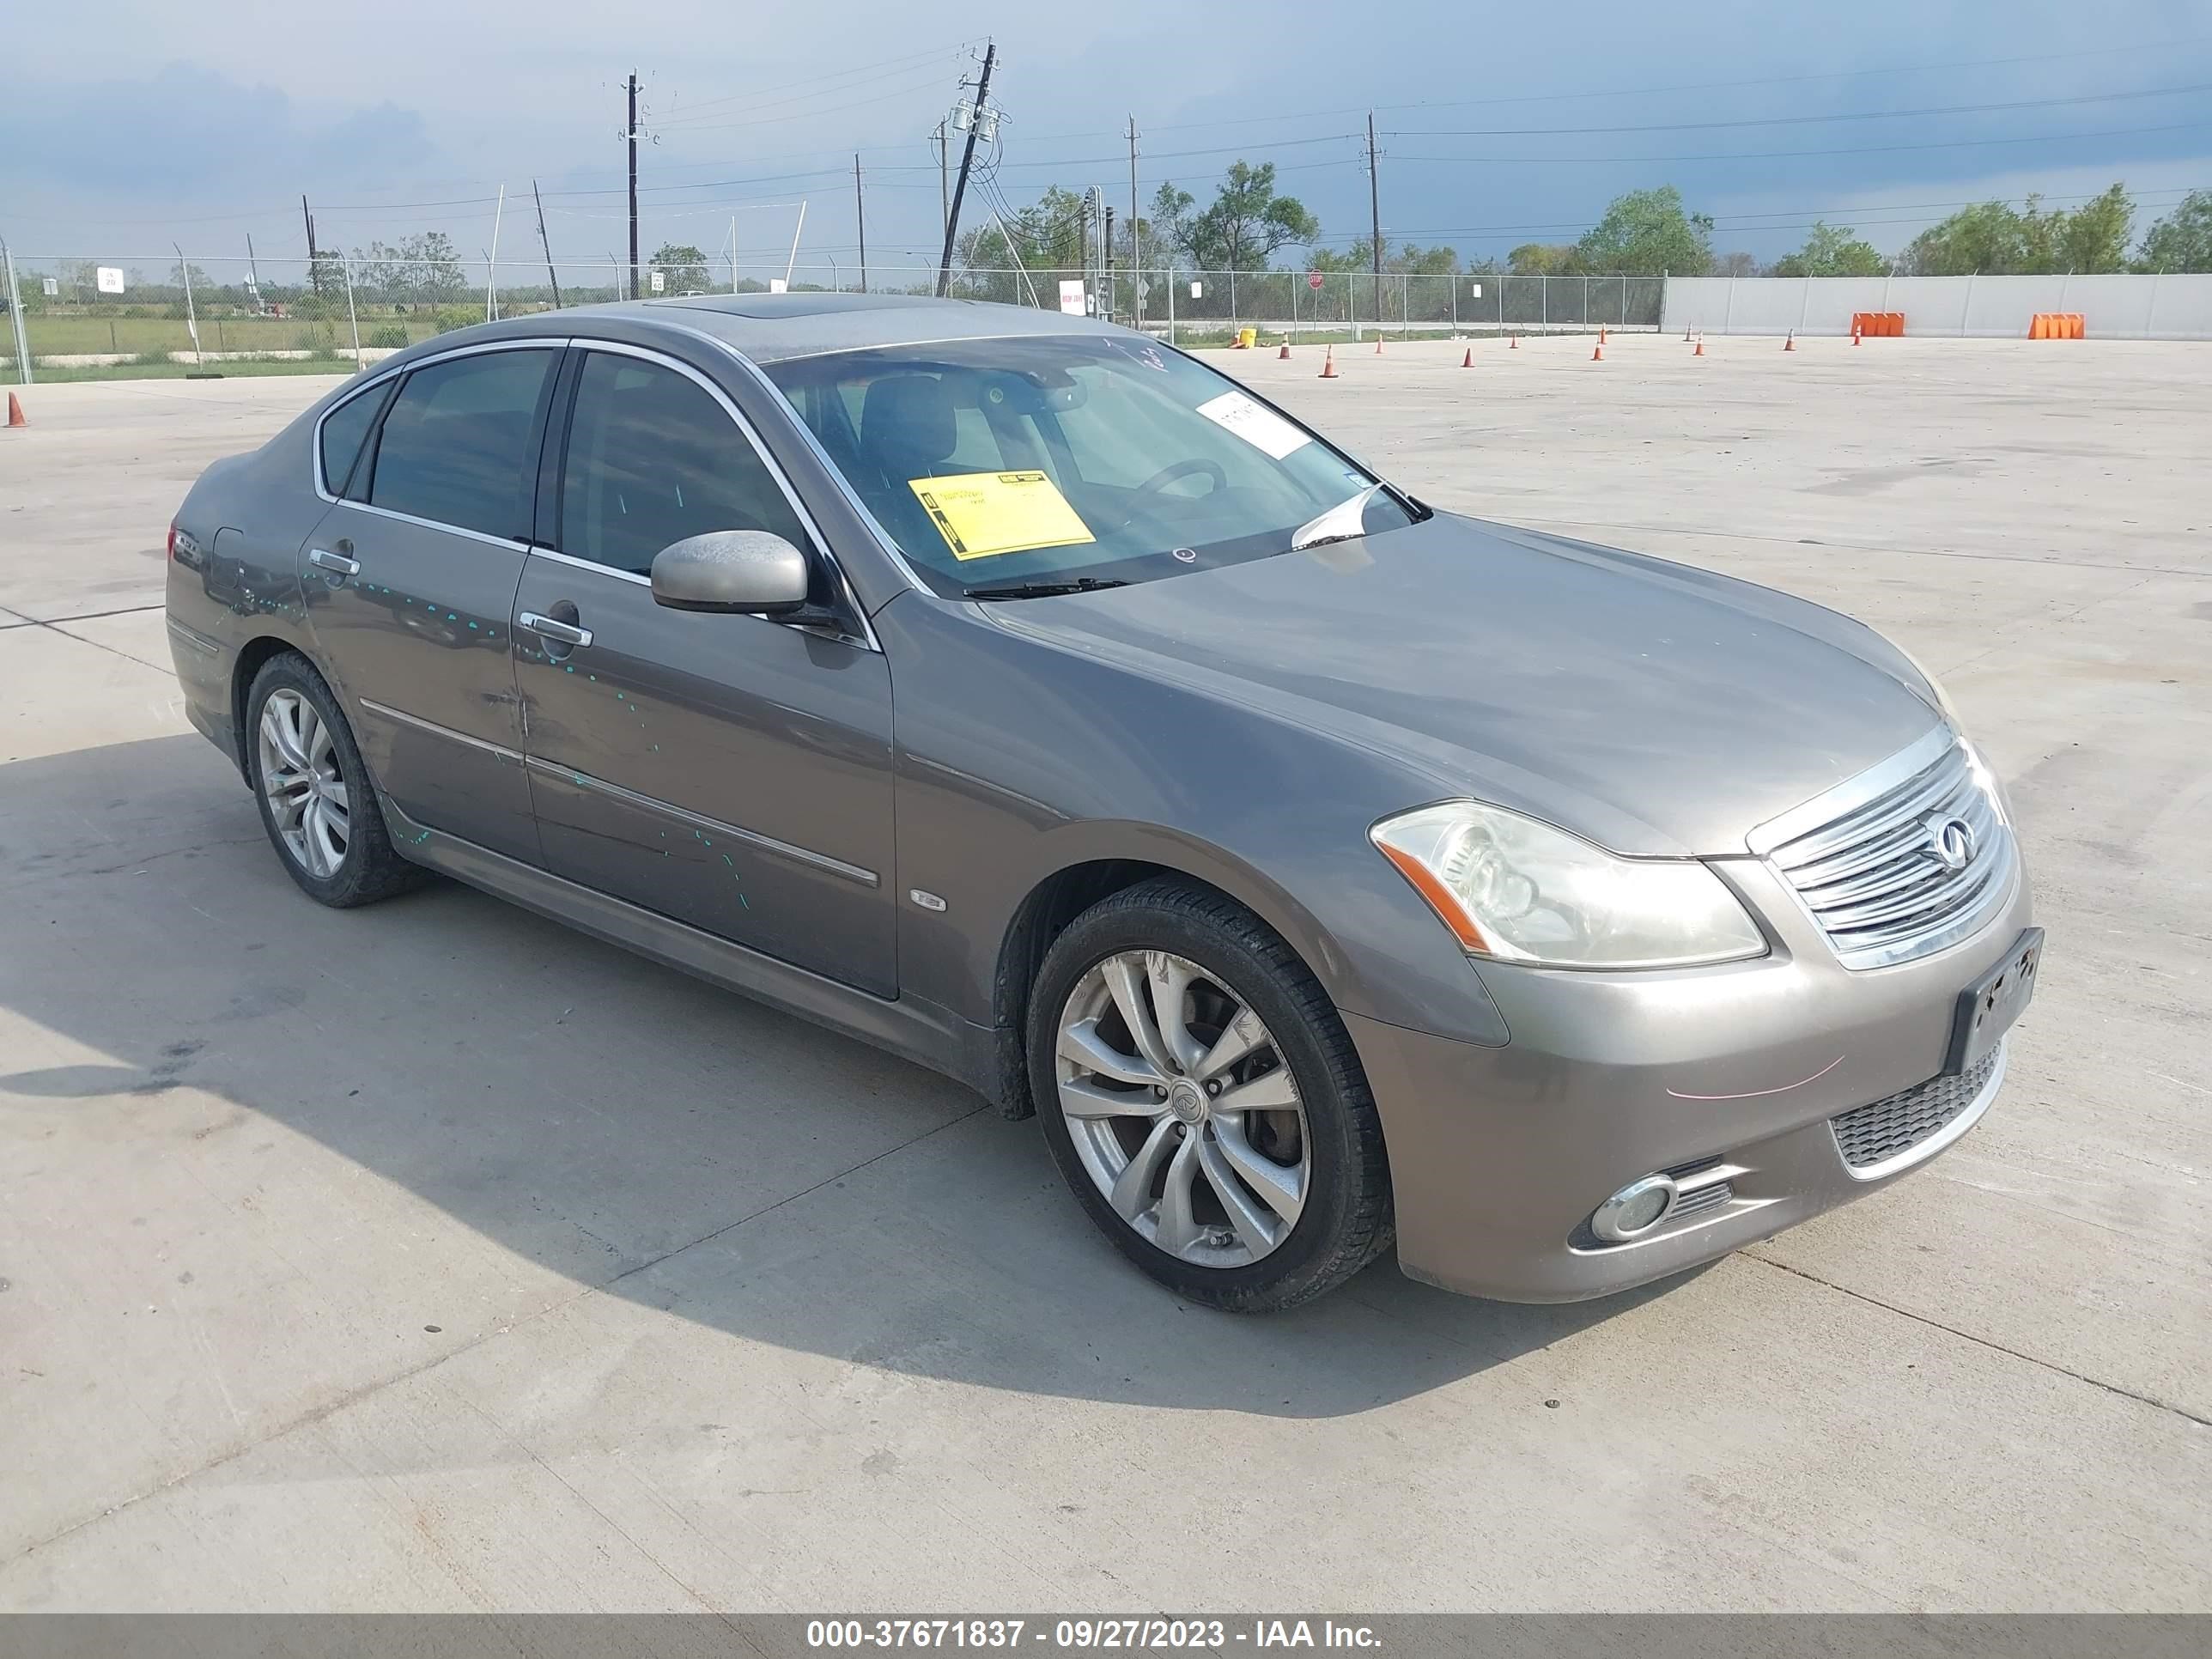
316,800
1204,1103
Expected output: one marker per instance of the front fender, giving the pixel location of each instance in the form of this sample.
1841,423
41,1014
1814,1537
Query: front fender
1016,761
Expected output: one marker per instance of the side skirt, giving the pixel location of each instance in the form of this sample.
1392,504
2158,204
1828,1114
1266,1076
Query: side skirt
909,1027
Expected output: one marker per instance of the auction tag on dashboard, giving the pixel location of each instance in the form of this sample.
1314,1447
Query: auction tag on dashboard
1265,430
982,513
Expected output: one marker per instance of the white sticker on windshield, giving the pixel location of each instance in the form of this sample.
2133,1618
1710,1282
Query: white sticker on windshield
1265,430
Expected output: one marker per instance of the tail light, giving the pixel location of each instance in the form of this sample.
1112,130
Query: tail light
172,548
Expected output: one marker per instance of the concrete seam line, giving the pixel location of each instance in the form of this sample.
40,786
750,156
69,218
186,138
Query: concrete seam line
56,629
353,1396
1982,1342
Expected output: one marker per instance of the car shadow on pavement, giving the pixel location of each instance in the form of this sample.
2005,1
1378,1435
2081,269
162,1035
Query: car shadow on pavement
618,1124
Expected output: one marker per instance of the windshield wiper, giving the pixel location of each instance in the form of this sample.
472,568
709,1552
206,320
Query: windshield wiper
1041,590
1344,522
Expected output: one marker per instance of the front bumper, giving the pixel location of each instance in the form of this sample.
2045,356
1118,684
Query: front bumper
1499,1155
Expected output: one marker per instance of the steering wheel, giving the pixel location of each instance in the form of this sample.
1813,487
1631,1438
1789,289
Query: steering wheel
1168,474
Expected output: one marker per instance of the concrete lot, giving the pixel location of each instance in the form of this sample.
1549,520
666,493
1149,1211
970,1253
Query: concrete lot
431,1257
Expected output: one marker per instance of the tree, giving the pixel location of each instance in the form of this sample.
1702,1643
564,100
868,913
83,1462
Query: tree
1739,263
1169,220
2093,237
1246,221
682,268
1833,251
1995,239
1647,233
2183,239
1545,259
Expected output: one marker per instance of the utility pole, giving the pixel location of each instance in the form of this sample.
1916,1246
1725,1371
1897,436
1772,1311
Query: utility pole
1106,270
861,214
1374,213
629,132
551,276
314,271
943,182
1136,252
967,161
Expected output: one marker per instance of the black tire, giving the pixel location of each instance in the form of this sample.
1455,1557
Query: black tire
370,870
1347,1220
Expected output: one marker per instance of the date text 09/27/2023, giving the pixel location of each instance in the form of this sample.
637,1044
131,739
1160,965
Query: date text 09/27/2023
1127,1634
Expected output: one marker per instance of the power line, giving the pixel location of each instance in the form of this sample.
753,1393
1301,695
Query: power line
1801,120
1777,154
1643,92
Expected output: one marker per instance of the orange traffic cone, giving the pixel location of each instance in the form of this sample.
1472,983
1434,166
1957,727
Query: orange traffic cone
1854,332
1601,333
1284,356
1685,334
1597,354
1789,341
1700,351
15,411
1378,343
1516,345
1328,364
1467,362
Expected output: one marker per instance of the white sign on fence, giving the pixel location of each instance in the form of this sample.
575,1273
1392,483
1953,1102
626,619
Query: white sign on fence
110,278
53,287
777,285
1071,297
659,281
1197,290
1477,286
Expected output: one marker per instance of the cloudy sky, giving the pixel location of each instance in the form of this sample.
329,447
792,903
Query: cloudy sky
127,126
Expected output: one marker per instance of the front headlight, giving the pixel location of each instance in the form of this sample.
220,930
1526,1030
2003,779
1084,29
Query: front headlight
1519,890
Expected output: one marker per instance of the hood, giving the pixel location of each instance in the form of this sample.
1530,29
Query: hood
1654,708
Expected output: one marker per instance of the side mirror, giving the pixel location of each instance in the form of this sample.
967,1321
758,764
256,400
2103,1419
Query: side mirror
751,571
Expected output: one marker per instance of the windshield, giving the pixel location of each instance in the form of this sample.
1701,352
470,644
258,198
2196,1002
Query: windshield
1001,464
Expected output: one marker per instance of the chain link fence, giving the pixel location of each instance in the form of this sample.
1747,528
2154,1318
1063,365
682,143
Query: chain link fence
114,315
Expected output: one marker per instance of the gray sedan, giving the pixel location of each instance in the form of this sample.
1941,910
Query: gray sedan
1325,870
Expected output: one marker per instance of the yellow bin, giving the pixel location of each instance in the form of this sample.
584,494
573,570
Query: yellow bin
1248,337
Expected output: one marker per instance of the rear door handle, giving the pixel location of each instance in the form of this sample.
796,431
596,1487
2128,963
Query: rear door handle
549,628
335,562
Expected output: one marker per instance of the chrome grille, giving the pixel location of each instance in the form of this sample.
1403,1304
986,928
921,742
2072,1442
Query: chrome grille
1889,1128
1870,875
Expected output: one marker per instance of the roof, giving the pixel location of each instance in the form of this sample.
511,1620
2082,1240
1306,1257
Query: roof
770,327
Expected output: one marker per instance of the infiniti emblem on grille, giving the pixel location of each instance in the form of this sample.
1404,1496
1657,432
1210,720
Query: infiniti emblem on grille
1950,841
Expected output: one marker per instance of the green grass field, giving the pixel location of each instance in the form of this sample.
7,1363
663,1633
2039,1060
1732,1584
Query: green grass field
61,335
49,374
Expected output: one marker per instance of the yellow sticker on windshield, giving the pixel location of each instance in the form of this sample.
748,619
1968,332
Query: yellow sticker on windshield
982,513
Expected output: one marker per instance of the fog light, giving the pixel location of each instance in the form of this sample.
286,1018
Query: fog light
1636,1208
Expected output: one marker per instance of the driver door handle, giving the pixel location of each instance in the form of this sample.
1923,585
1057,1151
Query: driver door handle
336,563
548,628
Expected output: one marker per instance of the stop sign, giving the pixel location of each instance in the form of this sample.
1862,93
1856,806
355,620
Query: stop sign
1313,279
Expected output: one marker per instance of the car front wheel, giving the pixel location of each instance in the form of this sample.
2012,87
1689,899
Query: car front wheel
1203,1100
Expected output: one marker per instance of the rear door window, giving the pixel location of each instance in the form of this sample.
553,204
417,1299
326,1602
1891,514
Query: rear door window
344,429
456,447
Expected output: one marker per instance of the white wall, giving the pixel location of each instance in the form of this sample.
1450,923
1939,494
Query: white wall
2115,307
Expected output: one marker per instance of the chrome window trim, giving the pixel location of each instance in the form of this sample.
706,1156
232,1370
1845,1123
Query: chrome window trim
511,543
806,855
436,730
1922,1151
883,538
623,348
534,342
538,550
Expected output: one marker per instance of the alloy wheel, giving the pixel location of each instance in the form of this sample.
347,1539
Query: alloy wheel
1182,1109
303,785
